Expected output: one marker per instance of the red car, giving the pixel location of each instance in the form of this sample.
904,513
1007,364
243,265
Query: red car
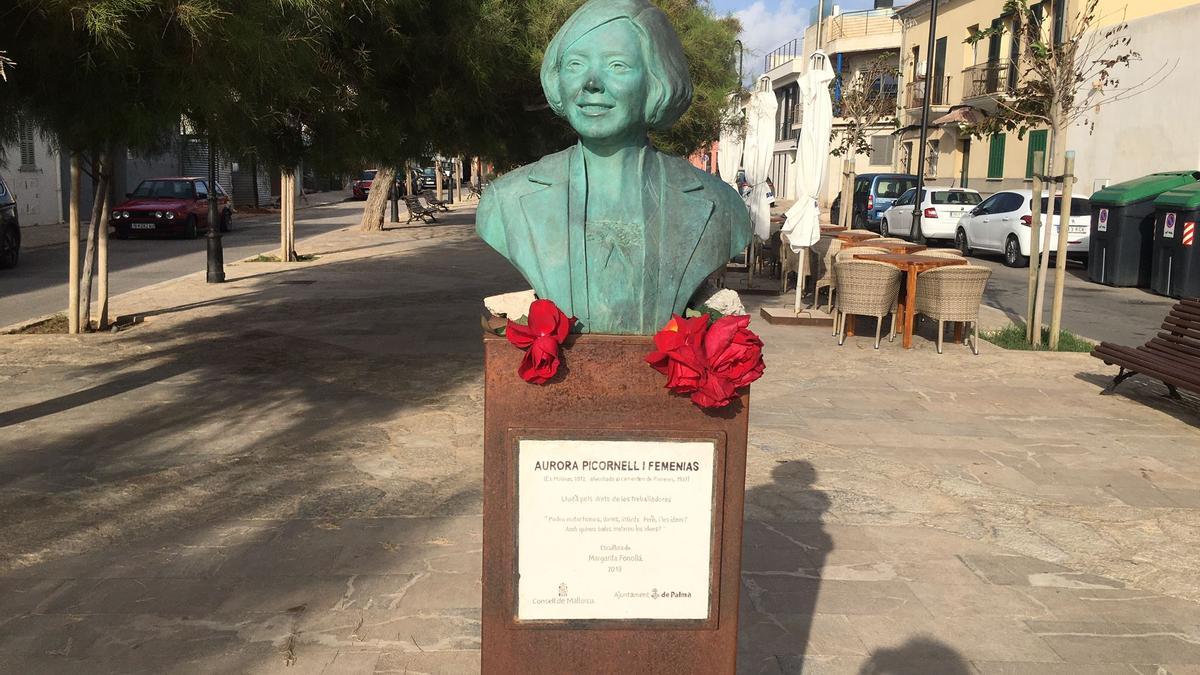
176,206
362,186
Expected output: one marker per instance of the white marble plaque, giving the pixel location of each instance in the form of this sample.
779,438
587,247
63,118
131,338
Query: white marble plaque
614,529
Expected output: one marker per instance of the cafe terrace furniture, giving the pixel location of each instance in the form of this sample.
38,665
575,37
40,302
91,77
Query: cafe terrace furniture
943,253
826,250
889,245
953,294
1173,357
855,235
912,265
866,288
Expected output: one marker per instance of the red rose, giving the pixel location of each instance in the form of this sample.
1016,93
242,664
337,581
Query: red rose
680,354
547,329
710,363
733,351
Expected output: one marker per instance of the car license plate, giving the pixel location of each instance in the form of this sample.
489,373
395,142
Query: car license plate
141,226
1077,229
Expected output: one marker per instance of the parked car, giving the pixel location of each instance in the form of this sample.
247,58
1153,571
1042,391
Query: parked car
170,206
362,186
1001,223
940,210
426,179
10,229
873,194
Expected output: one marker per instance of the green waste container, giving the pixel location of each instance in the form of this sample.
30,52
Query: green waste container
1176,270
1121,245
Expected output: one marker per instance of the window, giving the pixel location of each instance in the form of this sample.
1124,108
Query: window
881,149
989,204
1007,201
931,161
25,140
890,188
996,157
787,112
1080,206
1037,142
201,189
1060,21
907,197
955,197
171,189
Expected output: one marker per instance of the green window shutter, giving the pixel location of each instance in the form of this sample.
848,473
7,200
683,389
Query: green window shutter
996,157
1037,141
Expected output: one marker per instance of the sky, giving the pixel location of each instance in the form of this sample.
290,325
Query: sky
767,24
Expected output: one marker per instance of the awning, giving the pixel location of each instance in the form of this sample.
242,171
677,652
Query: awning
960,115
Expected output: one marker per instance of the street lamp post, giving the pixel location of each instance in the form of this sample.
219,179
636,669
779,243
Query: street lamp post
918,236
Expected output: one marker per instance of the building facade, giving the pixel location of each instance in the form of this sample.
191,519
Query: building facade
30,168
965,79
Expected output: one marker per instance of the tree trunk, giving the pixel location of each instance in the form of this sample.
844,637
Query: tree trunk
254,180
73,248
1039,298
1060,266
408,184
102,264
377,200
100,202
287,216
1035,233
437,179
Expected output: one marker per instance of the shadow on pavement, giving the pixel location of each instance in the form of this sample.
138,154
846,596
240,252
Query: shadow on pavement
290,476
918,656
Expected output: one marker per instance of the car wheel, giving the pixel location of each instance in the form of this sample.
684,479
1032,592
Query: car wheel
860,222
1012,253
227,222
189,228
10,247
960,242
883,227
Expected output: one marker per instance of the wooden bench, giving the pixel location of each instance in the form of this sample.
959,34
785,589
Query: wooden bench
419,211
1172,357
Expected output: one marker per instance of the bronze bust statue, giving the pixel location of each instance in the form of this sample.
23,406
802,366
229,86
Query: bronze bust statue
613,231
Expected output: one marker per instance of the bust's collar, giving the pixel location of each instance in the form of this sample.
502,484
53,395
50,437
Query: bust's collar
679,174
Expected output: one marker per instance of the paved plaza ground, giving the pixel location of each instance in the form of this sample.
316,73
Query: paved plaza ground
282,474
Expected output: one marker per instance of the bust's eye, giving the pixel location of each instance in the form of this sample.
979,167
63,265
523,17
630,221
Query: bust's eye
618,66
574,65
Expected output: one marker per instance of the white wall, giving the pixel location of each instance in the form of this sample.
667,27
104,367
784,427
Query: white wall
1157,130
38,189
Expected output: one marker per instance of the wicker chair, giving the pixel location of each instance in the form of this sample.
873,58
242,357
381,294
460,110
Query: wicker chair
953,293
826,251
852,231
941,253
866,288
884,240
848,253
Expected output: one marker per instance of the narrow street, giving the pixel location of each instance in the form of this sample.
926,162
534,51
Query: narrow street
38,285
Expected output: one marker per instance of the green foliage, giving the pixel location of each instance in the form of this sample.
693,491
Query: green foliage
1013,337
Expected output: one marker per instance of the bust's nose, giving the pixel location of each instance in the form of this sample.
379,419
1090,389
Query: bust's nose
593,84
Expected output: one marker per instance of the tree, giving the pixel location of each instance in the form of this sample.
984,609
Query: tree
867,98
1064,76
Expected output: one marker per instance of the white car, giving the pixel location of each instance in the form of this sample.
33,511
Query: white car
1001,224
940,210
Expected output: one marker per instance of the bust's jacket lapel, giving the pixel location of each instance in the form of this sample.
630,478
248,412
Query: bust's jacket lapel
683,222
545,212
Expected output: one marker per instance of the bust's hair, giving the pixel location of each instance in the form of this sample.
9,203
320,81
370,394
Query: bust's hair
670,84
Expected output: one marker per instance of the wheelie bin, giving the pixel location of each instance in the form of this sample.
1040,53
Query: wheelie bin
1176,269
1121,245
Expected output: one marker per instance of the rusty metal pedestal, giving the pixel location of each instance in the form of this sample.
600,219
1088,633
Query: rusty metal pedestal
605,389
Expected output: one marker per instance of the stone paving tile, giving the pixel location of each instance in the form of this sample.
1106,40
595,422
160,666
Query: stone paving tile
1081,642
993,638
976,600
797,635
1003,668
445,663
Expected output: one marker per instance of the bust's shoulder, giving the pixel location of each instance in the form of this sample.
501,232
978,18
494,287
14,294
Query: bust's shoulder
534,176
683,173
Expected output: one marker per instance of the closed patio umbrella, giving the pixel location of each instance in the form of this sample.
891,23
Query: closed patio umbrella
803,225
729,153
760,145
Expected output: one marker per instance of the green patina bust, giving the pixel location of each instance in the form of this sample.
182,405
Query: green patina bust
613,231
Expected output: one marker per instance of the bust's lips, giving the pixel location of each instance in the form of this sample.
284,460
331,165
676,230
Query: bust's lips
594,109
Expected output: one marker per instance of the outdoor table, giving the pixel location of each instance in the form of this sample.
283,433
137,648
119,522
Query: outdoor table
890,247
846,235
911,265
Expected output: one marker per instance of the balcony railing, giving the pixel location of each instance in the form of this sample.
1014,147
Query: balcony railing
861,23
993,78
788,52
939,92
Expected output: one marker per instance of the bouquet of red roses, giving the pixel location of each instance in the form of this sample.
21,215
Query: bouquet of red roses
710,363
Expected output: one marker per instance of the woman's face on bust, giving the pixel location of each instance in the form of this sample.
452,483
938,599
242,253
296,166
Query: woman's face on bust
602,82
